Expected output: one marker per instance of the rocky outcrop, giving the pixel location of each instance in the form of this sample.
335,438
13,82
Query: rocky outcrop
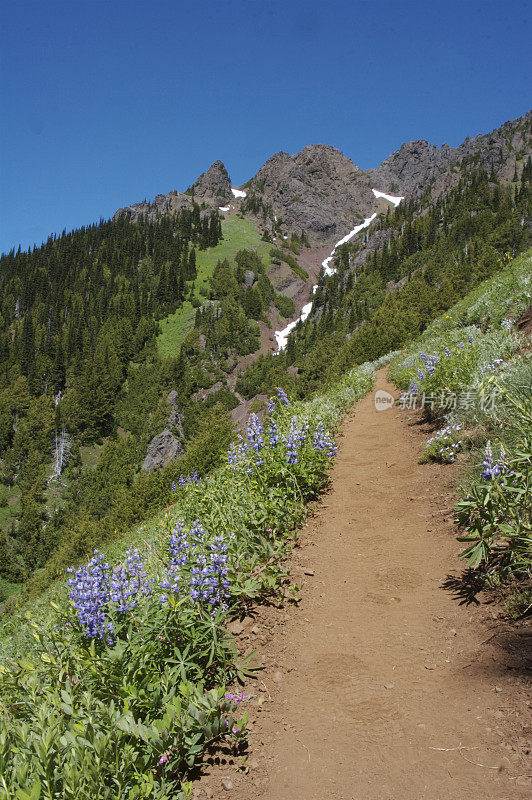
212,188
163,204
318,190
166,446
214,185
418,165
163,448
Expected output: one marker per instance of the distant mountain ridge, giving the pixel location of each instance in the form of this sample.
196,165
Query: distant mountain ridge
321,191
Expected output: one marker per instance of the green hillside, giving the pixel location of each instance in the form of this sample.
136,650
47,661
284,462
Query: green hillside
238,234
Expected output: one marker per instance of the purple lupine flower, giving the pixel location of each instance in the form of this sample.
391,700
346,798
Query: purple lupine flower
283,398
90,595
232,457
492,468
270,408
128,581
291,443
273,433
220,569
322,441
421,375
182,481
197,532
254,433
488,464
178,546
414,388
470,338
173,487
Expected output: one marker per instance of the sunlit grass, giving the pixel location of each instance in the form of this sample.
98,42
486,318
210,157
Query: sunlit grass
239,234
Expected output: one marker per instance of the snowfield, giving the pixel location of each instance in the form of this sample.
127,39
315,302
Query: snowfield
325,264
281,337
238,192
223,208
390,197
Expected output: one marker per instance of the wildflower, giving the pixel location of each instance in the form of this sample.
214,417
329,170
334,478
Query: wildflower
128,581
283,398
90,595
273,433
323,442
492,468
173,487
254,433
414,388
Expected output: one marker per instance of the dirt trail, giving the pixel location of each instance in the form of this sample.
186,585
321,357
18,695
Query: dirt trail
381,684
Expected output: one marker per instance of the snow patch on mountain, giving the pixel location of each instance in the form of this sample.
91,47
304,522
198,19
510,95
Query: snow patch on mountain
326,263
390,197
238,192
281,337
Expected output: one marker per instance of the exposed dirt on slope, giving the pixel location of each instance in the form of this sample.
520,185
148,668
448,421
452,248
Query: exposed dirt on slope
383,683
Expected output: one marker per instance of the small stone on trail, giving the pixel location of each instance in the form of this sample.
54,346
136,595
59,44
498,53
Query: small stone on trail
309,572
277,676
255,630
227,784
498,689
235,627
389,685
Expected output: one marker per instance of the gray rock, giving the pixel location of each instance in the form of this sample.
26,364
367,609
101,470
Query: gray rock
214,184
163,448
318,190
249,278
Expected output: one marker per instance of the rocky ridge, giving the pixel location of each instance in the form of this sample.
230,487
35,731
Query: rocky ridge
321,191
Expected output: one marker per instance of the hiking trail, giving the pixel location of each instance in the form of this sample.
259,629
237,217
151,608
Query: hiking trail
381,684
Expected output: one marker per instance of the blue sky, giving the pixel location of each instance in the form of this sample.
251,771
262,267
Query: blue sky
105,102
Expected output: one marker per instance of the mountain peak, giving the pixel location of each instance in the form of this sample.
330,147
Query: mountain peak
214,184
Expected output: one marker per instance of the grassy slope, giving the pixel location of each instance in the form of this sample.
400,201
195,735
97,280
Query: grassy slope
150,535
506,294
238,234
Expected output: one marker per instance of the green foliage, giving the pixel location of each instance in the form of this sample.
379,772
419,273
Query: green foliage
238,235
495,514
96,720
131,716
289,259
482,368
285,305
